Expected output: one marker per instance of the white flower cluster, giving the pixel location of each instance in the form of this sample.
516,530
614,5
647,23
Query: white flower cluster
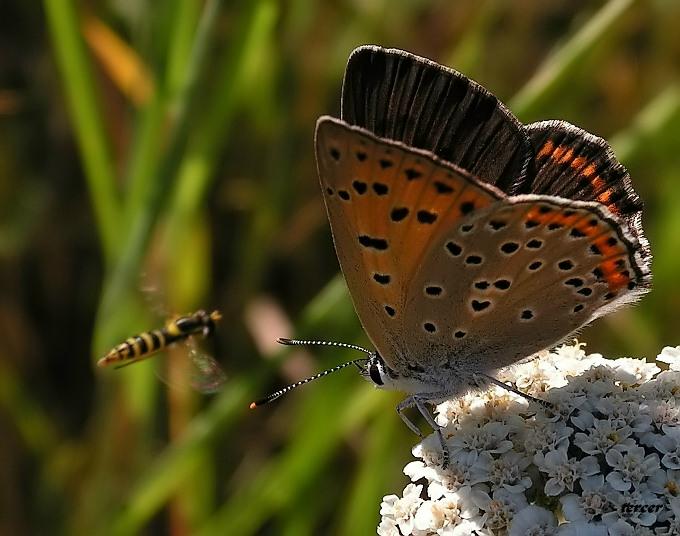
603,460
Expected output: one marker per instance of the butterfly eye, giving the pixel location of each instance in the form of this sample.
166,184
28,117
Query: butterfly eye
374,373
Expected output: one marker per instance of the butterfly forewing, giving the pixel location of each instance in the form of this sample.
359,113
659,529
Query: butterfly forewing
385,203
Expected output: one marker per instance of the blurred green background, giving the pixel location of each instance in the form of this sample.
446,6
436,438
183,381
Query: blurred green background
169,144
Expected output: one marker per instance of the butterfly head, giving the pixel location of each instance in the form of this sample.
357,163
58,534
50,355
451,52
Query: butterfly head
378,372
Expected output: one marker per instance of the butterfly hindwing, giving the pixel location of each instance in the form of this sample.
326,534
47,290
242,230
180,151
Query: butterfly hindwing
575,164
530,271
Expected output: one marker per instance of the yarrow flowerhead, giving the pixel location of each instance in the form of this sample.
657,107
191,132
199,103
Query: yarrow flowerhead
603,458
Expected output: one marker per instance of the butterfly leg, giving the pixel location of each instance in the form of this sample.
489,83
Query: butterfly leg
401,408
419,403
510,388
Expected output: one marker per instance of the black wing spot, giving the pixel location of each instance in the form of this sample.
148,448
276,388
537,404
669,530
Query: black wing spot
360,187
611,241
497,225
479,305
380,188
502,284
554,226
578,308
585,291
335,153
373,243
390,311
609,295
574,282
459,334
399,214
598,273
473,259
433,290
361,156
535,243
467,207
575,233
429,327
426,217
565,265
453,248
595,250
329,191
466,228
530,224
412,174
482,285
632,285
527,314
509,247
545,209
535,265
383,279
442,188
593,223
385,163
344,195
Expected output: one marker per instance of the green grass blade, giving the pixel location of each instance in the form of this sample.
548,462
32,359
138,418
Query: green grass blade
80,90
657,124
164,122
197,167
176,463
564,63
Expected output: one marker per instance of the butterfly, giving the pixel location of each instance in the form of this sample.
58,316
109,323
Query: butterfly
468,241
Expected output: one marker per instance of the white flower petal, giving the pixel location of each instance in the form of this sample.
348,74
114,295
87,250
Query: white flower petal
535,519
617,481
671,356
388,527
582,529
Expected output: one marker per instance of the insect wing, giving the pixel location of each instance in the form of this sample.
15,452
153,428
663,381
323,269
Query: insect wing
207,376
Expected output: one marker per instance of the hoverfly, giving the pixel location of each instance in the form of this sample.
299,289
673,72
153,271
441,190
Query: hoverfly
209,376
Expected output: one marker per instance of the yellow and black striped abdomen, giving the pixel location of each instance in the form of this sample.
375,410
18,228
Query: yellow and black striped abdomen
145,344
137,348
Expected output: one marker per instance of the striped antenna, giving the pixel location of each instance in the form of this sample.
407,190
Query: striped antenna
296,342
299,342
